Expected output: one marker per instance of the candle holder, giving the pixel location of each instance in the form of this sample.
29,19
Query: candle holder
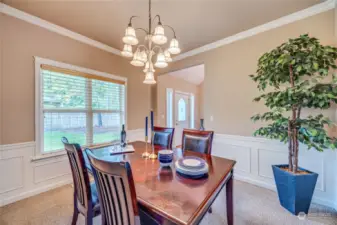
146,154
153,154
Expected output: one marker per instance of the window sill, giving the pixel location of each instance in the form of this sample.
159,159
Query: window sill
48,156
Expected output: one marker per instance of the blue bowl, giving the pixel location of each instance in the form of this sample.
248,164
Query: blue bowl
165,157
165,160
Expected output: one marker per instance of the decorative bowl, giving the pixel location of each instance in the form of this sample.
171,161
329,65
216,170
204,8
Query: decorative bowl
165,157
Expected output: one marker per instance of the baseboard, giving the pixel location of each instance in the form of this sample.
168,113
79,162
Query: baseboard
254,181
35,191
271,187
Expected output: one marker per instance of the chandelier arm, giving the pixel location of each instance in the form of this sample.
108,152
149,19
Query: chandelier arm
130,21
156,47
146,32
153,20
174,32
139,46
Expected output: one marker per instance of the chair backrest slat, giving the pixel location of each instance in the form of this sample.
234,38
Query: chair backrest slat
116,190
198,141
79,172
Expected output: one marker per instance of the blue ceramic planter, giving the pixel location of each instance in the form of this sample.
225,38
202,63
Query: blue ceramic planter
294,191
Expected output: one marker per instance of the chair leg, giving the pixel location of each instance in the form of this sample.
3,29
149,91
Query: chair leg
88,221
75,216
89,218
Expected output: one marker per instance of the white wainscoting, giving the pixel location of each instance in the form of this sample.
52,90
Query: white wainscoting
22,177
255,156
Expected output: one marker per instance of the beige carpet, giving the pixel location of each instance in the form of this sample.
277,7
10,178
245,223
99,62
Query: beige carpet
253,205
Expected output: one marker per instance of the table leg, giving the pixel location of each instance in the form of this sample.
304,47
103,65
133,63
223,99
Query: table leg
229,201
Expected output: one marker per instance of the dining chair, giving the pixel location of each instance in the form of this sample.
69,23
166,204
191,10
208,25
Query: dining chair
117,193
163,136
85,194
197,141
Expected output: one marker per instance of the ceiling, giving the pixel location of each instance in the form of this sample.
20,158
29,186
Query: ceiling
194,74
197,22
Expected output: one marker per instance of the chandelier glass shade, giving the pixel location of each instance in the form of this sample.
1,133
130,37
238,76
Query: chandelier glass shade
149,78
130,36
127,51
161,61
174,46
159,37
152,46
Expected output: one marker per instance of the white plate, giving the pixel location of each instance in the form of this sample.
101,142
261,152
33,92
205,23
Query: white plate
192,172
191,162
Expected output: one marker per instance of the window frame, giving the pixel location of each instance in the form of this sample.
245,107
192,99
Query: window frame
39,119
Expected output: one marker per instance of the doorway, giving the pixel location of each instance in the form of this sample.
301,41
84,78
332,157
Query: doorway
182,114
180,100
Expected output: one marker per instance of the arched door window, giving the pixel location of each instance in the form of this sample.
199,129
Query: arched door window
181,110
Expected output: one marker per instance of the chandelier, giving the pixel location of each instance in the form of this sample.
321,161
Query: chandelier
152,46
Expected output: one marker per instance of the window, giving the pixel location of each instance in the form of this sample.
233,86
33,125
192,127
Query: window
86,108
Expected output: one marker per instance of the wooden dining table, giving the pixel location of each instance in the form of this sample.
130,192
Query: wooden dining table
169,197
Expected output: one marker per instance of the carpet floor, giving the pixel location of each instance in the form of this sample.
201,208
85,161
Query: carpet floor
252,206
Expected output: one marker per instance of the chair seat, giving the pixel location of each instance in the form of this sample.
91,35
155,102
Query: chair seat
95,202
94,195
87,163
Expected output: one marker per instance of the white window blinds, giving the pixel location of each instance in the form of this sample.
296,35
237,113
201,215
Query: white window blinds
85,108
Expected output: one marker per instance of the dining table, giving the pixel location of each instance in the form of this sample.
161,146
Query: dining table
168,196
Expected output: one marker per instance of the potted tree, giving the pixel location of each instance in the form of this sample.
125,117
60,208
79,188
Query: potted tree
297,75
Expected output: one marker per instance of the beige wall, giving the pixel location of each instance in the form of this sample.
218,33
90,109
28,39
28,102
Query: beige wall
21,41
1,68
228,91
177,84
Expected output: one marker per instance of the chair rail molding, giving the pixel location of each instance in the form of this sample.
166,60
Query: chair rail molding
302,14
25,176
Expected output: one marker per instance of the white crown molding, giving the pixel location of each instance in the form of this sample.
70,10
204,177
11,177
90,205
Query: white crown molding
311,11
55,28
305,13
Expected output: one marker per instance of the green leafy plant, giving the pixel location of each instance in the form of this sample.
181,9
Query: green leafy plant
297,72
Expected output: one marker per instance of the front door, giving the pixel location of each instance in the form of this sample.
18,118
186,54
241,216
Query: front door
182,115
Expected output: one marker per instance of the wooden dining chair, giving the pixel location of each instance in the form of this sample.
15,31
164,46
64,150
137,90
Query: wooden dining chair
85,194
197,141
163,136
117,193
